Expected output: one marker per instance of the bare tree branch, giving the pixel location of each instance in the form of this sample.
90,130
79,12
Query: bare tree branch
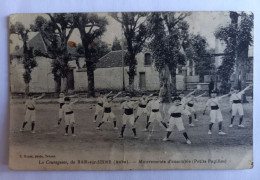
53,20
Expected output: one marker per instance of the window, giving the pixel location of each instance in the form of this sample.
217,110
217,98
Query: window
179,69
147,59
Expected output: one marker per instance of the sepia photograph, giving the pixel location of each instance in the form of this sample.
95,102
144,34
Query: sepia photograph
131,90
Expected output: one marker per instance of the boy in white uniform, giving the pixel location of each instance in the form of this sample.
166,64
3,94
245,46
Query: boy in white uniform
154,105
61,103
30,114
107,113
215,113
190,107
176,111
237,106
128,115
68,113
142,107
99,107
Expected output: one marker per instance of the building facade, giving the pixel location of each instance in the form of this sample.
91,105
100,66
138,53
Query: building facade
111,72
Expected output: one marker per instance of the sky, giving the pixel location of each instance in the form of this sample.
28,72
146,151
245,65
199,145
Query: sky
203,23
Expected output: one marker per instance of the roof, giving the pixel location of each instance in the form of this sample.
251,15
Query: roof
37,43
111,59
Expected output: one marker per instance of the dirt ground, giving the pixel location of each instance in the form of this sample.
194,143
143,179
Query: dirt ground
90,144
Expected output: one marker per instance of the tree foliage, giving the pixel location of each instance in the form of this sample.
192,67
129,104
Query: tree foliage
29,61
55,33
91,27
168,31
136,32
237,37
98,49
116,45
196,52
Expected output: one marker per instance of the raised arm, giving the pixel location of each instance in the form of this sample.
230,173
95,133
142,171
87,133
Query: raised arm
135,104
186,102
73,102
146,99
116,95
200,95
248,87
190,93
108,94
41,96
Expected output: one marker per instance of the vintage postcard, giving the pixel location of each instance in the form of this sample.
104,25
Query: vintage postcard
131,91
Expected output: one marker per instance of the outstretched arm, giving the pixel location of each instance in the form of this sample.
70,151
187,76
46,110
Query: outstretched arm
248,87
200,95
41,96
191,93
73,102
136,104
146,99
108,94
116,95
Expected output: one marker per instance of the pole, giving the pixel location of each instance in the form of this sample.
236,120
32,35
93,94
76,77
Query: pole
123,62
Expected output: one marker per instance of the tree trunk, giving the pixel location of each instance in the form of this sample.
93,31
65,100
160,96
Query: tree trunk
57,85
27,89
169,79
168,83
86,41
132,72
243,58
173,80
90,73
64,84
91,82
164,84
131,79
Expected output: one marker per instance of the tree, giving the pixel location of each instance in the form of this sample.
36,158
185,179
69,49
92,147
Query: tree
135,31
116,45
196,51
168,32
237,37
29,61
90,26
98,49
55,33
